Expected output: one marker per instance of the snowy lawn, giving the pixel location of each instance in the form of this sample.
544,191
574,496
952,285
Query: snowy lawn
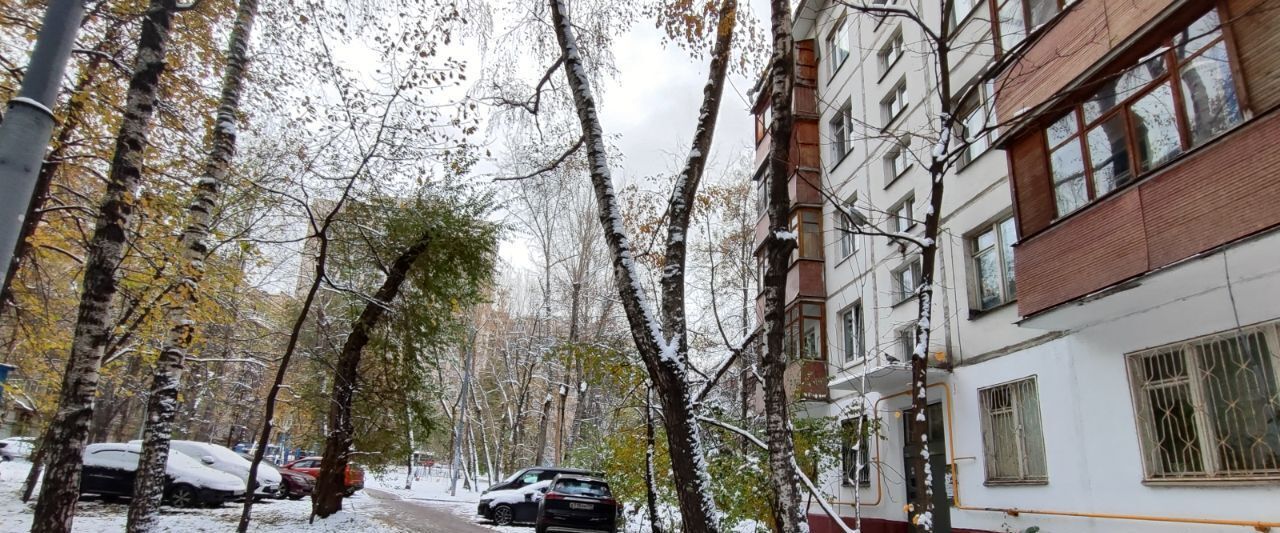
269,516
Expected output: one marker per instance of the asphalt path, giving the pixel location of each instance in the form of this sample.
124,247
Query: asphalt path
415,515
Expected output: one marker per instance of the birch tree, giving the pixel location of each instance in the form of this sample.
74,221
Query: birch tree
162,404
67,434
661,340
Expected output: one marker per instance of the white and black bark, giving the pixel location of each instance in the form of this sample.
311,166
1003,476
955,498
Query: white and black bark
788,510
331,480
650,470
459,414
662,345
162,404
69,430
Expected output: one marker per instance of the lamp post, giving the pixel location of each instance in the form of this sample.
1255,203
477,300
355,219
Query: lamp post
28,124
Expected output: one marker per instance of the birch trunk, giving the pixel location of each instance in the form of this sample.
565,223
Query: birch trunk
663,346
330,481
162,404
650,471
55,508
788,510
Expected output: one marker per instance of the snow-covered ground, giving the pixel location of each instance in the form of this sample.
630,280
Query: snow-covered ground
269,516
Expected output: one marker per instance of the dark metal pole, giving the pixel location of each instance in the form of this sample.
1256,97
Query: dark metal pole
28,124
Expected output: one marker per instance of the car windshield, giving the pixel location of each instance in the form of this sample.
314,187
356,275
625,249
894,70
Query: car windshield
582,487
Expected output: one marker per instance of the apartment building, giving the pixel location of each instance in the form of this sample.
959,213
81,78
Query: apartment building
1106,342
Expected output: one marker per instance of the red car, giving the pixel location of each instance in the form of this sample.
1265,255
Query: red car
353,480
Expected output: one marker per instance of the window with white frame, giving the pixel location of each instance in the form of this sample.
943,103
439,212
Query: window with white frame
1012,435
977,120
851,326
900,214
890,52
896,160
991,253
894,103
905,337
905,281
841,126
960,10
848,237
838,45
855,451
1209,408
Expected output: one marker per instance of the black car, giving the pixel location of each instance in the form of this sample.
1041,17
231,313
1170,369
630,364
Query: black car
517,497
110,469
574,503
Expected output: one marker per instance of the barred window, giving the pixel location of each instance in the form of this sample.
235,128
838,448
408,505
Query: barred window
1012,438
1209,408
855,452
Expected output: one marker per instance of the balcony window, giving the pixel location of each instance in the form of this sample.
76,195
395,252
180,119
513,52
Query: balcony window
1145,116
851,324
1012,437
838,45
807,223
1018,18
1208,408
840,128
991,254
803,334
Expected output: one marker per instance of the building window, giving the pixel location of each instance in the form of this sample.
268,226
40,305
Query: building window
841,126
896,160
906,279
851,324
890,52
1144,117
1209,408
894,103
960,10
847,225
900,215
1018,18
803,335
1012,437
807,224
855,451
905,337
991,251
838,45
762,190
977,120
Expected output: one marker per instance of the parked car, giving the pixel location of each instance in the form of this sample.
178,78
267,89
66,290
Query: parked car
16,448
293,484
110,469
532,475
353,479
513,506
575,503
223,459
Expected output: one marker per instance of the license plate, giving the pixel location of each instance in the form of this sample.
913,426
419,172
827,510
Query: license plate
584,506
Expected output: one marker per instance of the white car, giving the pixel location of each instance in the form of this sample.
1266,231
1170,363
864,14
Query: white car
16,448
111,468
224,459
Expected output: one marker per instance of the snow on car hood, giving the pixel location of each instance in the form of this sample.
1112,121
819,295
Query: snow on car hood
514,496
184,469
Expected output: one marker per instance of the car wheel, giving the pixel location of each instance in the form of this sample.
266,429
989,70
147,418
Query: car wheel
182,496
502,515
540,529
295,497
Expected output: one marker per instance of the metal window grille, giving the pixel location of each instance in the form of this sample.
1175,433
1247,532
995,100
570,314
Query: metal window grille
1012,436
1209,408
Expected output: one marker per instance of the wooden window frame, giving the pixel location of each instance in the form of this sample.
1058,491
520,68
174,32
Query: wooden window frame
848,241
803,237
1006,270
841,27
859,335
1173,67
796,316
885,56
900,295
998,37
843,141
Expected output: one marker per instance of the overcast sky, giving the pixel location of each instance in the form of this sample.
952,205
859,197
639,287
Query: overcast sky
652,106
